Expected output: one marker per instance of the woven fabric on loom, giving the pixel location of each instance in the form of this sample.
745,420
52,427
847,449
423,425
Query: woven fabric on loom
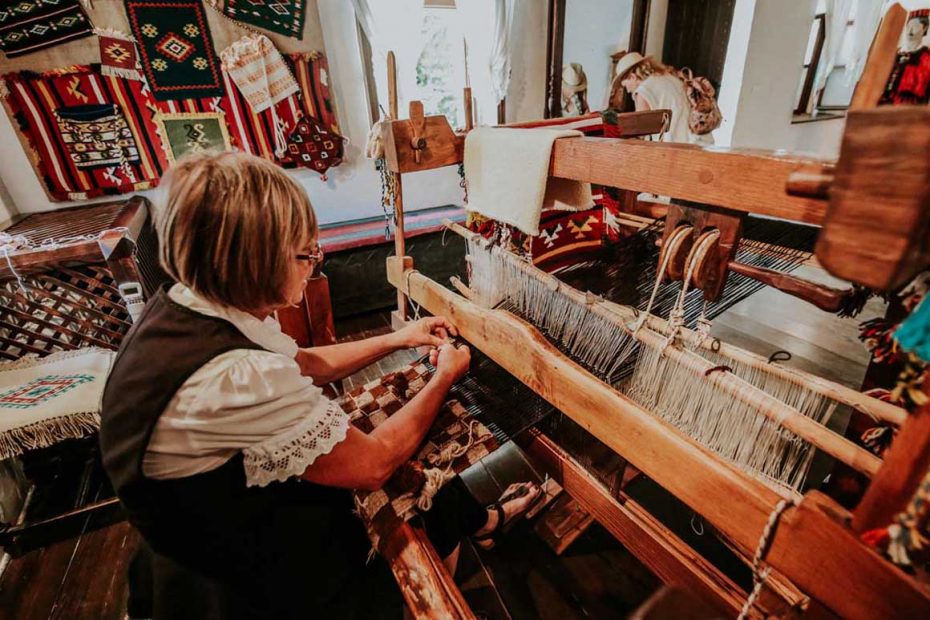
27,27
455,428
282,16
34,98
175,47
564,237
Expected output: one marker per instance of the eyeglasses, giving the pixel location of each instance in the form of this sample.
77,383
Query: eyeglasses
316,257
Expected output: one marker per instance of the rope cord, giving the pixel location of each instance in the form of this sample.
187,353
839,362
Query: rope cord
760,575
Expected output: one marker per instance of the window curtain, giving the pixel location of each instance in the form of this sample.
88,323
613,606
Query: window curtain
487,26
868,15
835,18
393,26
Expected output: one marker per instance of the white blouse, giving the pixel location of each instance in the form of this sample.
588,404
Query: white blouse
254,402
667,91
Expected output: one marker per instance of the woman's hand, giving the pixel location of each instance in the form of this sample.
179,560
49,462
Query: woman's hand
451,362
432,331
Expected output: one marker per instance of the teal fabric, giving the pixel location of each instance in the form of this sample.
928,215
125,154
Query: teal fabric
914,333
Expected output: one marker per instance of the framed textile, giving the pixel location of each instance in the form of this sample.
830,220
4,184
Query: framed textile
33,100
192,132
282,16
455,442
175,47
27,27
96,135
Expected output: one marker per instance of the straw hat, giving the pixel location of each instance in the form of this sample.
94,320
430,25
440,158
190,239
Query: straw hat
573,78
627,62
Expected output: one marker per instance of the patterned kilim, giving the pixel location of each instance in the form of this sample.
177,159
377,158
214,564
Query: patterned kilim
282,16
97,135
176,49
33,100
31,25
310,145
312,74
118,56
456,441
197,132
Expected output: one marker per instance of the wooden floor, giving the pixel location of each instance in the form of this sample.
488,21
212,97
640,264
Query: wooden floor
85,576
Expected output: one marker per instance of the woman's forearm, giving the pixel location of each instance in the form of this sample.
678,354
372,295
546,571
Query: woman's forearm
337,361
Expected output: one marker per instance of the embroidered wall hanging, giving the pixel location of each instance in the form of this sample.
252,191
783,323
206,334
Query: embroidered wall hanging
96,135
45,400
258,69
32,25
455,442
33,99
312,74
175,48
310,145
118,54
281,16
187,132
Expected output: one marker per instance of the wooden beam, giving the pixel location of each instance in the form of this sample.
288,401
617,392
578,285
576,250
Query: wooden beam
653,544
819,555
427,587
741,180
877,228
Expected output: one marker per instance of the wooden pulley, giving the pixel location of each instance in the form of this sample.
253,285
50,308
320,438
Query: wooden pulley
675,252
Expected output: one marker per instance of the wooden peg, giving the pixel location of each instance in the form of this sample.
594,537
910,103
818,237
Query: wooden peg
417,129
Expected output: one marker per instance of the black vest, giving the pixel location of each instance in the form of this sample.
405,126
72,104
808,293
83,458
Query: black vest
287,548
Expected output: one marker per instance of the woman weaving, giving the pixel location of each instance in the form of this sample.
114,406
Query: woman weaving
228,458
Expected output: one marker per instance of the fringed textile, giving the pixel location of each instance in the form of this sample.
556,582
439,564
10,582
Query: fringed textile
118,55
192,132
455,442
46,400
312,146
97,135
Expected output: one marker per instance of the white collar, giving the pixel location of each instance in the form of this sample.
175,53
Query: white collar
266,334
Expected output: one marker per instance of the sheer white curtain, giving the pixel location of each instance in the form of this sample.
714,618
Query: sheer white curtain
835,18
396,26
487,26
867,15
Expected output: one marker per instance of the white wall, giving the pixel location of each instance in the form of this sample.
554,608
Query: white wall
595,29
352,190
765,55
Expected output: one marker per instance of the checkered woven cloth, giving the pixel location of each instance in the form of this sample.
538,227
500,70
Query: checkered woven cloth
455,433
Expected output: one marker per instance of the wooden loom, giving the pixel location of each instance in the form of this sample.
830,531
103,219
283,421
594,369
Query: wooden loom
815,549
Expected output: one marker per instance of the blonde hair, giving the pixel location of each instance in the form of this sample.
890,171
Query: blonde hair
229,225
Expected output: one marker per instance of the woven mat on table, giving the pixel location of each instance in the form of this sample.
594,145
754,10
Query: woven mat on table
48,399
454,427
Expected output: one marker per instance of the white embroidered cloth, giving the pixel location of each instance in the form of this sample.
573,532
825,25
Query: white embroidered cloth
45,400
507,172
258,69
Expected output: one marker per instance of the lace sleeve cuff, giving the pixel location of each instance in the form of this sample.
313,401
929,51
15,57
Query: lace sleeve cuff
290,453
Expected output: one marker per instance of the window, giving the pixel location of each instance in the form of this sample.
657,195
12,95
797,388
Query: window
431,57
837,91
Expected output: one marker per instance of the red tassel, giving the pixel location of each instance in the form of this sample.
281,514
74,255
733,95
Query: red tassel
877,538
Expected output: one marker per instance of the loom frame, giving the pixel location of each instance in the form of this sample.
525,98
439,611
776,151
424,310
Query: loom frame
814,545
